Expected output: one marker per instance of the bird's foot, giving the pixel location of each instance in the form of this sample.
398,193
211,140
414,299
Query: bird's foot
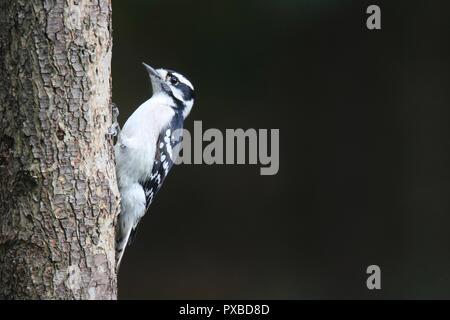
114,130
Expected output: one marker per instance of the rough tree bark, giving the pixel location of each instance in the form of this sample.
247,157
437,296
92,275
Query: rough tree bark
58,192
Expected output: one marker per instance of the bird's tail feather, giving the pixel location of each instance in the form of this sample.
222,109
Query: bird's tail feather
120,248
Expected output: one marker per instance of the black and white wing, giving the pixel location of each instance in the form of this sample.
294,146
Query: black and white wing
164,158
166,152
167,145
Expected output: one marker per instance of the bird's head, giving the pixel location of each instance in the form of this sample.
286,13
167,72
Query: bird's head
174,85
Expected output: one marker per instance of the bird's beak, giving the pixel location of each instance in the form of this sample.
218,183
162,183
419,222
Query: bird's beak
152,72
157,82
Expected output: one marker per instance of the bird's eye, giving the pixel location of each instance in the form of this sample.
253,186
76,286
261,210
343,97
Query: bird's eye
173,80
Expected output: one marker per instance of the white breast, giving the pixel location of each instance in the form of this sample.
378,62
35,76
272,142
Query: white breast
136,145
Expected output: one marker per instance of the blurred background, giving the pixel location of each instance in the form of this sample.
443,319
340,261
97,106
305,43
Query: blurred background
364,149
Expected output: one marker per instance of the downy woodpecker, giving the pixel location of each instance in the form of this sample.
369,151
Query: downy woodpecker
145,148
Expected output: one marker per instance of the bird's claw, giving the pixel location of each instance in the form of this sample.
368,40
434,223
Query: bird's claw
114,130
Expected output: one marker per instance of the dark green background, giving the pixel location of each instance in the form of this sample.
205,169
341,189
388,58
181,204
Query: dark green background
364,151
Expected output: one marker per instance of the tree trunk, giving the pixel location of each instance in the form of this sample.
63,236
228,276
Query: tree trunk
58,192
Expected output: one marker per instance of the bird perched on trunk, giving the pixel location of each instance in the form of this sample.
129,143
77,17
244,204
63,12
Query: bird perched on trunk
145,148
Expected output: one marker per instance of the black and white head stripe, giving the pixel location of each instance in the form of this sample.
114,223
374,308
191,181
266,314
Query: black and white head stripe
184,88
175,85
181,88
180,78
